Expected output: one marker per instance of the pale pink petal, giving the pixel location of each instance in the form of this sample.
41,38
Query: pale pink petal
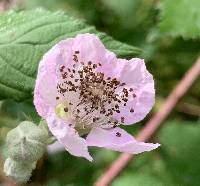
45,87
67,136
119,140
110,67
141,100
90,48
45,92
135,75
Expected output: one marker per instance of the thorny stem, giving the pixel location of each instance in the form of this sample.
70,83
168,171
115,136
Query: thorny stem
151,127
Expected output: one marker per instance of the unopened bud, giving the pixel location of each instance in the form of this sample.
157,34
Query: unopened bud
26,142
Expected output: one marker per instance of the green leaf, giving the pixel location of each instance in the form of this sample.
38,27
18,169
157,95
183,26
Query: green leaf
180,18
181,151
24,38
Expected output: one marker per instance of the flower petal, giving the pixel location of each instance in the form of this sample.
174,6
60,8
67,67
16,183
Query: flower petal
45,92
90,48
68,136
141,100
119,140
135,75
45,87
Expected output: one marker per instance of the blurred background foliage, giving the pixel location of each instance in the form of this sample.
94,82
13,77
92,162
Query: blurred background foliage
168,32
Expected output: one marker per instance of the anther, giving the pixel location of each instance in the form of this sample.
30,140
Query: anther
118,134
134,95
66,109
77,52
131,89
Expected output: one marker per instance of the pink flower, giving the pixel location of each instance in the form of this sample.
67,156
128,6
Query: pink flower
83,88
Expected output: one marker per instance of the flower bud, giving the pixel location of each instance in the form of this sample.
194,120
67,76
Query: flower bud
20,172
26,142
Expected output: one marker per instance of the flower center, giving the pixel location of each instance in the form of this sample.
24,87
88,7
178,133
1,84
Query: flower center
93,98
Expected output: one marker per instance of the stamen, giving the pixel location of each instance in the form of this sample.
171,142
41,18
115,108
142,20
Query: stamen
118,134
98,99
66,109
76,52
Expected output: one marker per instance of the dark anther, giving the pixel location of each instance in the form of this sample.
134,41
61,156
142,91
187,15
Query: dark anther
66,109
76,52
62,68
118,134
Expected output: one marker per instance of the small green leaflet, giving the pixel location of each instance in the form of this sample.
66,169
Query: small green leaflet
24,38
